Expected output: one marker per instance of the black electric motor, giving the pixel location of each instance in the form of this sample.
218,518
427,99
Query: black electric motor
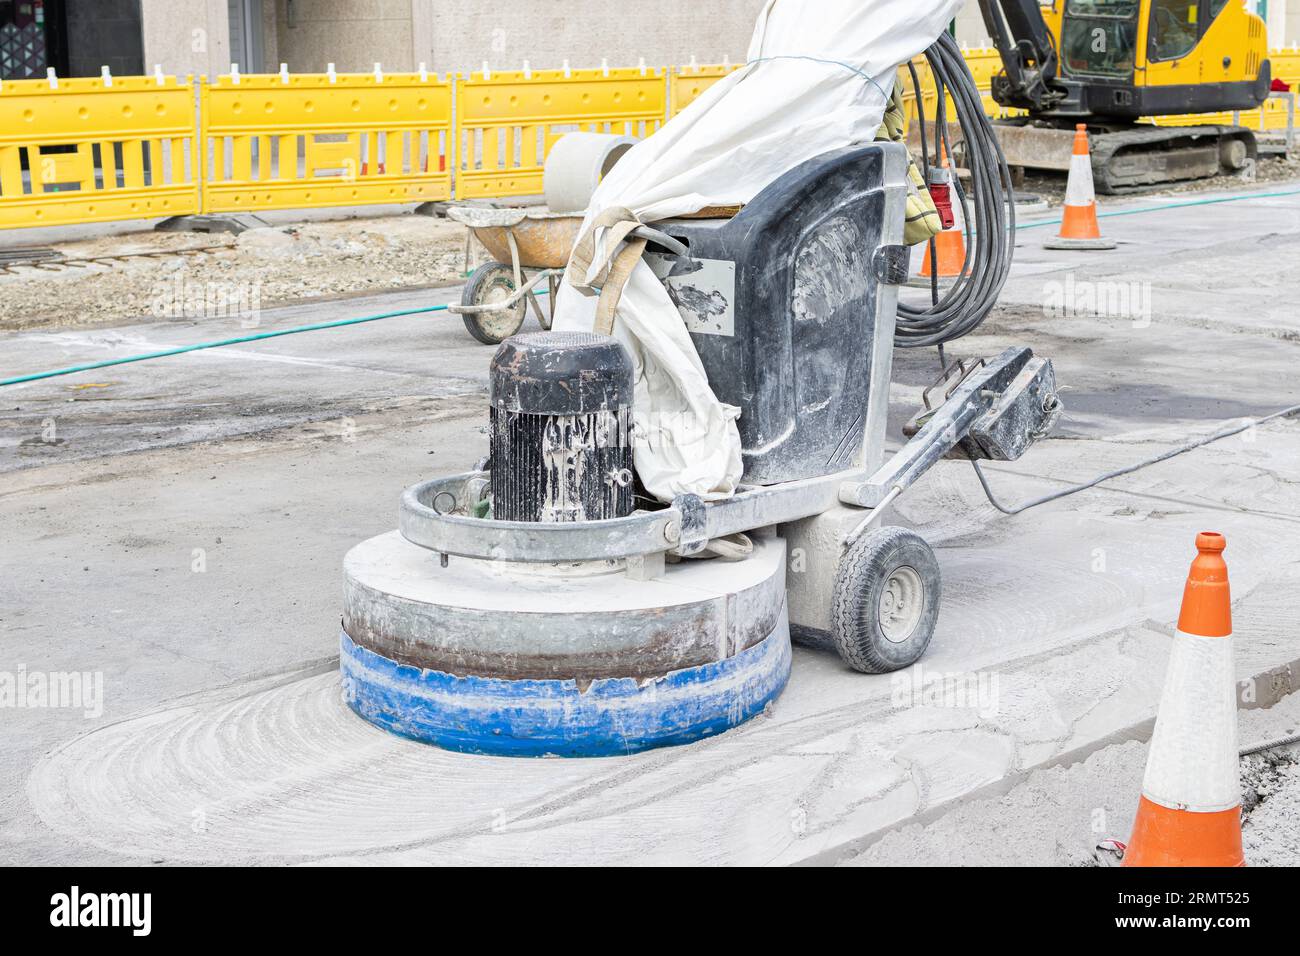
561,429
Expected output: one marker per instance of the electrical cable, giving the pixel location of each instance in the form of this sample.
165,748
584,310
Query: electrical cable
931,251
988,212
1140,210
1128,470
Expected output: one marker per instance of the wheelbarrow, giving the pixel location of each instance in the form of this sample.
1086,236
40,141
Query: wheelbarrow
528,246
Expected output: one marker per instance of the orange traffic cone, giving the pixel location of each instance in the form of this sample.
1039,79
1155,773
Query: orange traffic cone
1079,229
1190,811
950,244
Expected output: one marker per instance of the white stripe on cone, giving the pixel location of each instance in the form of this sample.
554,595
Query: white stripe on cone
1192,763
1079,190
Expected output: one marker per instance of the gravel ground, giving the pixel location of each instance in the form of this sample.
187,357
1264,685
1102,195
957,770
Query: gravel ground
259,269
1271,789
1058,816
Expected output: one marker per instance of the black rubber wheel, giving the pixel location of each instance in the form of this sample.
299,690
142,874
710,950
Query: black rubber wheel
493,282
886,602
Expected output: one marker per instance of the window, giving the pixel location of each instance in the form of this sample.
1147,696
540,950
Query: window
1124,9
23,46
1099,37
1174,28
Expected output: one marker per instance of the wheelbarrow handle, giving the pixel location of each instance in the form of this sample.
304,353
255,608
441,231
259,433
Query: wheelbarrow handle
661,239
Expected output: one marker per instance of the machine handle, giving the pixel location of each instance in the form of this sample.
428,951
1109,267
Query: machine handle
661,239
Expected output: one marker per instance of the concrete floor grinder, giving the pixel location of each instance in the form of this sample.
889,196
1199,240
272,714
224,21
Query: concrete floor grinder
541,607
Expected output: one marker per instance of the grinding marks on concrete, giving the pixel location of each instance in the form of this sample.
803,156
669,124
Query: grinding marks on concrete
289,774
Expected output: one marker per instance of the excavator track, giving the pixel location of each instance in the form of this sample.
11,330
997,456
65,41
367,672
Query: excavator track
1133,158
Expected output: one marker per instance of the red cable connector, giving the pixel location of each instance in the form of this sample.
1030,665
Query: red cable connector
941,194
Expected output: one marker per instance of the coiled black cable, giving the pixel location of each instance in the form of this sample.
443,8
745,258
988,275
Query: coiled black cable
988,214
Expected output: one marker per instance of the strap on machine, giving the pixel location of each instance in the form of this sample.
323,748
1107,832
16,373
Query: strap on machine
922,224
615,268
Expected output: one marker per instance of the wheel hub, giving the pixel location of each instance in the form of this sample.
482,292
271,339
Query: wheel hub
500,324
902,603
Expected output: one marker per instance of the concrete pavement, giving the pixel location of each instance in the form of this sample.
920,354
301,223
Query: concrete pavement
182,528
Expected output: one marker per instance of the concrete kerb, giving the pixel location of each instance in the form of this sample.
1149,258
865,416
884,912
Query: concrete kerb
1259,692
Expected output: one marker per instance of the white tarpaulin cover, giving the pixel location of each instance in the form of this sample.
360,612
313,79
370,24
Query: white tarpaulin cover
818,77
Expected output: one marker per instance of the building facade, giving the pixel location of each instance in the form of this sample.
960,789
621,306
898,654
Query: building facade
79,37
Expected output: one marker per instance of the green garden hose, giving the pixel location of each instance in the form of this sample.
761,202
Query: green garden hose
241,340
343,323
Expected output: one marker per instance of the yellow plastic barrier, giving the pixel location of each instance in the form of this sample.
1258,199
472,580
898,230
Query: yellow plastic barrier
1286,66
82,151
1271,115
690,81
506,123
984,64
302,141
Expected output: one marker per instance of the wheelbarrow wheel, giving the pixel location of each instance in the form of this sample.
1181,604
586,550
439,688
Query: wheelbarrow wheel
488,285
886,602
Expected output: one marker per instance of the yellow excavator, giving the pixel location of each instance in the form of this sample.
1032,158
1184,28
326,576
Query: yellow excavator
1109,63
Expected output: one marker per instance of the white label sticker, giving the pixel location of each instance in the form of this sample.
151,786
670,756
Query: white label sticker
704,291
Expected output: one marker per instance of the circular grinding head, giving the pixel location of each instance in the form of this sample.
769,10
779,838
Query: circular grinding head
505,660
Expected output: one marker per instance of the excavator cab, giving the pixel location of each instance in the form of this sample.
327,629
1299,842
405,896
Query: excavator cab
1099,38
1113,64
1127,59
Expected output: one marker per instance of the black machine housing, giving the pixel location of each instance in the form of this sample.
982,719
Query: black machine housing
791,307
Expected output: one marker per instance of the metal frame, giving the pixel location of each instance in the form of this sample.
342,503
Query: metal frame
1290,119
1289,134
683,528
521,290
435,514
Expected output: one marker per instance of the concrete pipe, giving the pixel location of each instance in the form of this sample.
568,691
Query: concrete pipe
577,164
